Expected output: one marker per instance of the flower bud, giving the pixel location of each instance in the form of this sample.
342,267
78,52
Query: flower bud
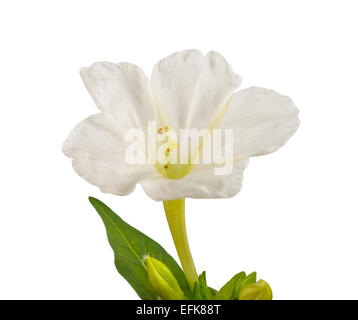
162,280
256,291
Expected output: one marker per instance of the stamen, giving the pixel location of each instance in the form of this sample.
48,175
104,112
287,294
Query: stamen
166,166
167,152
160,130
166,129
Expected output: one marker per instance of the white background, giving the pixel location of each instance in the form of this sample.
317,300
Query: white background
295,220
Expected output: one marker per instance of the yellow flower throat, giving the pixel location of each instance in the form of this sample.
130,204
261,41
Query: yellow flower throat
167,163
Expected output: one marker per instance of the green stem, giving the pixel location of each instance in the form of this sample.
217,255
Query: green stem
175,212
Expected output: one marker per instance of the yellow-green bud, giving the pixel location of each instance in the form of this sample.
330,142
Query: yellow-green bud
162,280
256,291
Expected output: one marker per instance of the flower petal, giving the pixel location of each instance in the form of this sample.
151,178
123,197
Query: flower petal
191,88
262,120
201,183
122,90
97,147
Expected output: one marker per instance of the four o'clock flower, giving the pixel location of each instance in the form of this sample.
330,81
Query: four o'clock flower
187,90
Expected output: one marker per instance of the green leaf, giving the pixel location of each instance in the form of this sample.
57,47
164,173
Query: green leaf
196,292
227,292
204,289
201,290
130,246
250,279
231,290
213,291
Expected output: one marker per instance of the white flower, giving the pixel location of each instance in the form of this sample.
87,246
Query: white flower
186,90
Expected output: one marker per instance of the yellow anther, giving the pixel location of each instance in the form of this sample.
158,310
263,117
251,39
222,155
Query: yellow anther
166,129
167,152
160,130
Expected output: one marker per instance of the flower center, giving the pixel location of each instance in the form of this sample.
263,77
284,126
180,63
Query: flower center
168,163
